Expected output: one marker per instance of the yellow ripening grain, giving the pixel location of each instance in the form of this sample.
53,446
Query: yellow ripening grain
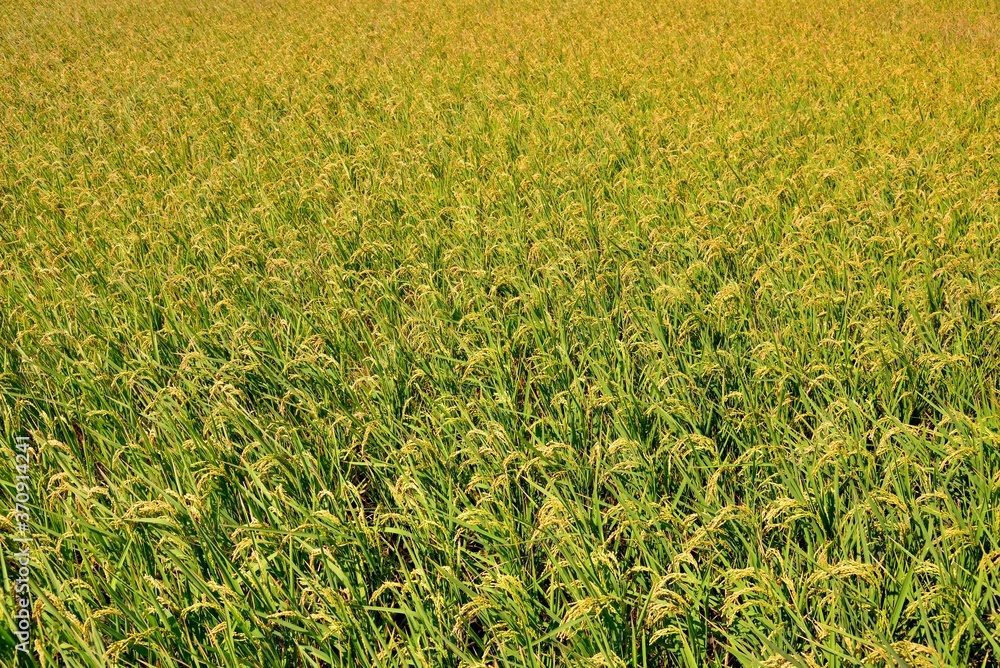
522,333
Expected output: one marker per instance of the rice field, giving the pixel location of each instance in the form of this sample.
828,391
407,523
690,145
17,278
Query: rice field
455,333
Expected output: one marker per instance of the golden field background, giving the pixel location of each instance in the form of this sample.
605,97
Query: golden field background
528,333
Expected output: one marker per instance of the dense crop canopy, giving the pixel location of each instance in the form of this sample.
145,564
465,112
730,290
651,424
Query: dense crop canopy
523,333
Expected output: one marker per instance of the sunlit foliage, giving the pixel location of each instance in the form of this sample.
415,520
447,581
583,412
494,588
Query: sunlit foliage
525,333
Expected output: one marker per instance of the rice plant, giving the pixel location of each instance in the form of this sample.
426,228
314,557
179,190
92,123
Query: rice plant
528,333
